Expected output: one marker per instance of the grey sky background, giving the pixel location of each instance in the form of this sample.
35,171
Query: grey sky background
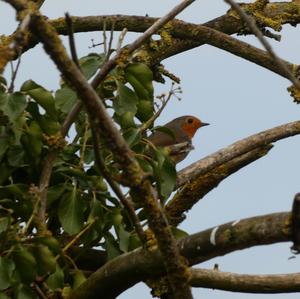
237,97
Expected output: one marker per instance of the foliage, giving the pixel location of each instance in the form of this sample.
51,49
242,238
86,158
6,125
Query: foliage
80,206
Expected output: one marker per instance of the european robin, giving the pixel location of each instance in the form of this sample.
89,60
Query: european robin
183,129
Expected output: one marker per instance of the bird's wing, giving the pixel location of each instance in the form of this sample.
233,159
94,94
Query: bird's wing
161,139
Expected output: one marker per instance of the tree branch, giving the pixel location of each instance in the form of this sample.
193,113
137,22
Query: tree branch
236,149
251,24
138,265
13,46
280,12
140,40
193,191
226,281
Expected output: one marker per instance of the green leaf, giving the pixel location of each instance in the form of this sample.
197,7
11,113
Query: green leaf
46,123
33,142
56,280
65,99
3,84
24,292
116,216
17,128
13,105
111,246
77,173
5,172
42,96
4,222
90,64
46,262
18,190
126,120
96,209
134,242
24,259
70,212
15,156
140,77
126,100
3,296
55,192
7,267
165,173
124,238
146,165
145,110
4,144
50,242
132,136
79,279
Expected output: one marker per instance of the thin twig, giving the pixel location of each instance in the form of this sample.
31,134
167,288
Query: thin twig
121,39
38,290
14,73
139,41
252,25
107,47
78,236
104,38
111,37
70,29
84,142
126,202
152,119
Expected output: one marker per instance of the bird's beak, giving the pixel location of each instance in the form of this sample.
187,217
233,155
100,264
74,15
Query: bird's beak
204,124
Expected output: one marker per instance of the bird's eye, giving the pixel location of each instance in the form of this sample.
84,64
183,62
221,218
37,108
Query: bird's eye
190,120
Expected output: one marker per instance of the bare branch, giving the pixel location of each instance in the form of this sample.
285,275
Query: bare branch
187,196
121,39
165,101
70,28
267,284
251,24
236,149
139,41
13,46
14,72
139,265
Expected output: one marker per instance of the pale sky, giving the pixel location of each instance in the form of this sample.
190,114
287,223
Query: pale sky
237,98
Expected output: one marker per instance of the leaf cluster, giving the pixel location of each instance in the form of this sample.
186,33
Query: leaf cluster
81,208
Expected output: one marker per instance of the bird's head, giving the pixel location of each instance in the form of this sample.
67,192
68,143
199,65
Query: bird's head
190,124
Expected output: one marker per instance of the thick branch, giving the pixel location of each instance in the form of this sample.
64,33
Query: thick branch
186,36
276,283
279,12
236,149
187,196
138,265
